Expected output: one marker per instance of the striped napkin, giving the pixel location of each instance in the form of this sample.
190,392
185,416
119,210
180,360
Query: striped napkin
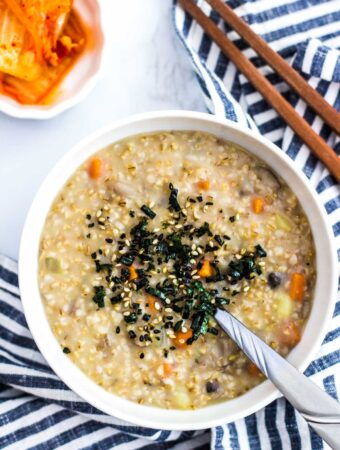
37,410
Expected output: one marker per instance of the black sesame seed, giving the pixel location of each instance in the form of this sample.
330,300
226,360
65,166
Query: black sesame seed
200,198
132,334
109,240
117,330
66,350
232,219
88,216
141,355
213,331
218,239
146,317
212,386
274,279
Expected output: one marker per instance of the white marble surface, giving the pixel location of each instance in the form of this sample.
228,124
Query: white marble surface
147,69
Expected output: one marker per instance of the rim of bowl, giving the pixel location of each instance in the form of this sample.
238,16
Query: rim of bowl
118,407
12,108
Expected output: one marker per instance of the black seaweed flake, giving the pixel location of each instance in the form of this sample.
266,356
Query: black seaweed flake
173,201
148,212
99,296
131,318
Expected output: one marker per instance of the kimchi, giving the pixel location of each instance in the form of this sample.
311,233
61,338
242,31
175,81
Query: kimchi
39,42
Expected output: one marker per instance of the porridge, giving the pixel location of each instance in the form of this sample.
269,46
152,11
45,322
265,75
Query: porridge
146,240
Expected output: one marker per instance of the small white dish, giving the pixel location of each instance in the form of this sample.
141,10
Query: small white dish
82,77
213,415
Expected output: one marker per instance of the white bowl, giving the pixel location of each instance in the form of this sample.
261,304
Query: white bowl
82,77
325,290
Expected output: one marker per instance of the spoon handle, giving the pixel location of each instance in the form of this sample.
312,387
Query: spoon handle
320,410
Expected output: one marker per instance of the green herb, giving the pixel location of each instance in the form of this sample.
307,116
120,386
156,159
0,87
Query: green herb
148,212
99,296
127,260
131,318
173,201
260,251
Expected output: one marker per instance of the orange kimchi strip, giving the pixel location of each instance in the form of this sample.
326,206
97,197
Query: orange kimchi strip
44,20
68,47
17,50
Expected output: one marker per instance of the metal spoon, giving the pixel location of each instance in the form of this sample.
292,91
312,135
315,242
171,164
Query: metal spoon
320,410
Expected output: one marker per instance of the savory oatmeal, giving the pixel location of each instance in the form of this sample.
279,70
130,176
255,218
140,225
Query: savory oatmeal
147,239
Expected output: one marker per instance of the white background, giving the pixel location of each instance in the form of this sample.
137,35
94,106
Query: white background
147,69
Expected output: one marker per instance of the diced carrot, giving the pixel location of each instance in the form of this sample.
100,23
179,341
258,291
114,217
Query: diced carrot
257,205
133,273
203,184
152,301
95,168
182,337
253,370
167,369
206,270
297,286
290,334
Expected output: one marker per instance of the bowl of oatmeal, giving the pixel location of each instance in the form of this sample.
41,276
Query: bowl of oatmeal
140,234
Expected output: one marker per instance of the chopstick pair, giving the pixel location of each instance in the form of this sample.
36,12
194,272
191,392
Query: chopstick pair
330,116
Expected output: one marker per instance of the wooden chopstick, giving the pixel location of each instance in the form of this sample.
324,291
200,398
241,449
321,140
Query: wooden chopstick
279,103
274,60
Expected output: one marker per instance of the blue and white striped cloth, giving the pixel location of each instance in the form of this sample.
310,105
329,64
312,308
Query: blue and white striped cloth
37,411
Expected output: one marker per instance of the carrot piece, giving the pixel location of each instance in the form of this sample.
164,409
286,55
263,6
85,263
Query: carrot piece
133,273
152,304
203,184
253,370
297,286
290,334
166,368
95,168
182,337
257,205
206,270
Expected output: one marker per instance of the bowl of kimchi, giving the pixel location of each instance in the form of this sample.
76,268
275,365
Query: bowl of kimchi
51,55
